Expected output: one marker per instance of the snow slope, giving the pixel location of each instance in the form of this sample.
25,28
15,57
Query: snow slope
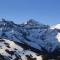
11,51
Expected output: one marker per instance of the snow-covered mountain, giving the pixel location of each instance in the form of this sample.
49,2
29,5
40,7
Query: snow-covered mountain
29,41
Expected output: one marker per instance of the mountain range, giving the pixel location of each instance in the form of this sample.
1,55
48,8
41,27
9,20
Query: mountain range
29,41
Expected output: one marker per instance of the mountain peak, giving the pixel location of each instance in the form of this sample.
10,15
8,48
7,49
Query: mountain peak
32,22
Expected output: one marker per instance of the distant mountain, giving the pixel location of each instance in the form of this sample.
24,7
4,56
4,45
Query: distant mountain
29,41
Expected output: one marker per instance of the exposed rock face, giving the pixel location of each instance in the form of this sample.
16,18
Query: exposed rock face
30,41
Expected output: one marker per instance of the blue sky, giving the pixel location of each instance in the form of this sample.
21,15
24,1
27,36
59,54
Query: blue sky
44,11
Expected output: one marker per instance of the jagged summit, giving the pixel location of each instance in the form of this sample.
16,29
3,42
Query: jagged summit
33,22
4,20
6,23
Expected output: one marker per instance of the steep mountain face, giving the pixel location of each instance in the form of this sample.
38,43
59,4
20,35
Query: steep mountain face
29,41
